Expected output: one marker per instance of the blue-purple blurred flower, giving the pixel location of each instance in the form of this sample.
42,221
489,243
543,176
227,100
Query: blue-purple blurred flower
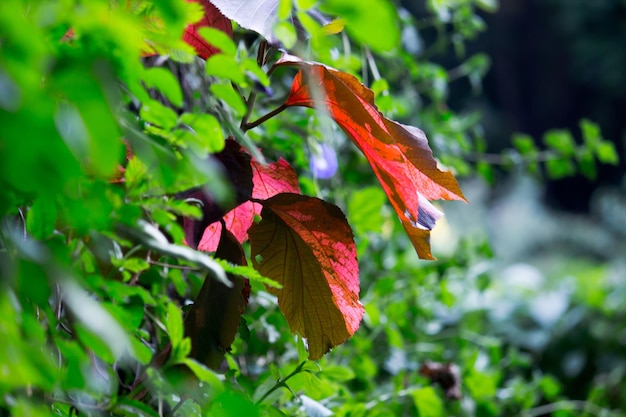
323,161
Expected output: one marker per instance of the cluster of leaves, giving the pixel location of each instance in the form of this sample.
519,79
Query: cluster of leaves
131,135
94,243
560,157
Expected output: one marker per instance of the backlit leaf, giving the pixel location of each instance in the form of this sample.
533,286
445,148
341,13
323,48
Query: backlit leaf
268,180
306,245
257,15
399,154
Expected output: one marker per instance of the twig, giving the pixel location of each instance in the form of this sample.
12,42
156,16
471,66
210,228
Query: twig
177,406
166,265
249,106
577,405
282,382
262,119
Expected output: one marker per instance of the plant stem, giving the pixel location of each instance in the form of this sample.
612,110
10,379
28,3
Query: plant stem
249,106
247,126
280,383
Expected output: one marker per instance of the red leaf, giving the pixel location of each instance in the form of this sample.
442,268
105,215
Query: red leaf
212,18
306,245
275,178
268,180
213,320
399,154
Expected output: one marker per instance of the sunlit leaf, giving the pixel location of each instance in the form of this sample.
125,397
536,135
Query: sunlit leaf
399,154
219,39
257,15
268,180
228,94
306,245
174,324
427,402
164,81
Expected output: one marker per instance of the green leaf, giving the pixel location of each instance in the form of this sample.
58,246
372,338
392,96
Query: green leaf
586,163
524,143
338,373
488,5
365,209
560,168
136,173
225,67
591,133
550,387
250,66
86,121
560,140
128,407
228,94
284,8
371,22
95,344
166,82
174,324
219,39
286,34
486,171
155,240
41,218
141,352
135,265
204,374
159,115
207,136
605,151
96,327
427,402
481,385
231,403
247,272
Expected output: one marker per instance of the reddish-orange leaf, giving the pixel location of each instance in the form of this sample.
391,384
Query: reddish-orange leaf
399,154
212,18
268,180
275,178
306,245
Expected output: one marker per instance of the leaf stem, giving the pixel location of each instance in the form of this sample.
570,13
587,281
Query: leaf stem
282,382
262,119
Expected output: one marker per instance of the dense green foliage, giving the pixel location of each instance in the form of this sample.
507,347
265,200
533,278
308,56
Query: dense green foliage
95,277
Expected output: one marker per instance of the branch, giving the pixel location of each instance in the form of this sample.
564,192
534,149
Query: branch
262,119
